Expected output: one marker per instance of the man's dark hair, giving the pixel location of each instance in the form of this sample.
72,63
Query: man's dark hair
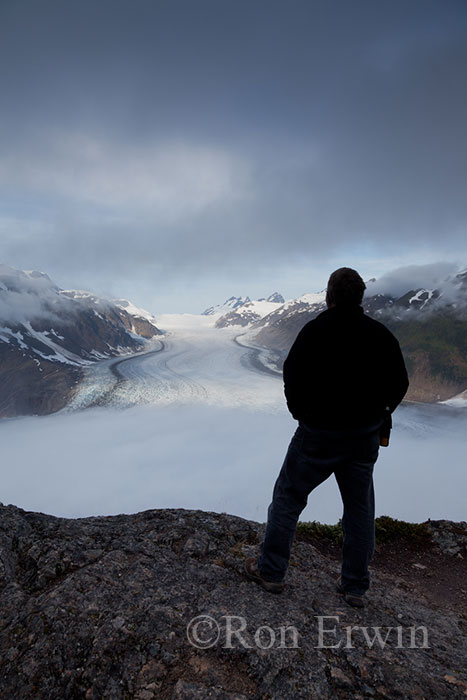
345,286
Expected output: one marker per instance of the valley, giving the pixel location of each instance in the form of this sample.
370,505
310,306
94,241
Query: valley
194,363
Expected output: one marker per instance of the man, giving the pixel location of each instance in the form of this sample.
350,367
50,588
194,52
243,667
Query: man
343,378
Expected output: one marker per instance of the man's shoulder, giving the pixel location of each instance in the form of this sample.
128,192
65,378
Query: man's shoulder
327,320
315,323
376,326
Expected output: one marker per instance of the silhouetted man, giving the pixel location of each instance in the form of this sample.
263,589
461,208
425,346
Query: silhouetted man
343,377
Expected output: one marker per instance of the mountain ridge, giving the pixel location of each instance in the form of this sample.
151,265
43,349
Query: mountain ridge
49,335
430,324
233,303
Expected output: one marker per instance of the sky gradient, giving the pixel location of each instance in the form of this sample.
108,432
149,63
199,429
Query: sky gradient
177,152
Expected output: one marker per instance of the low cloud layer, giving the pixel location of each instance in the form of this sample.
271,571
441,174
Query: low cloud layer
219,459
30,295
27,296
411,277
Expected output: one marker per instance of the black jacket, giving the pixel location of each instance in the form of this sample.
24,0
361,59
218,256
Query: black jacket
343,369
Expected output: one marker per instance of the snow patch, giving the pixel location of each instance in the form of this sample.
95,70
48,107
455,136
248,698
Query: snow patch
134,310
460,401
59,354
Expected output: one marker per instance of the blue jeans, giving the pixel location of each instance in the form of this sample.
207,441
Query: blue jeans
312,457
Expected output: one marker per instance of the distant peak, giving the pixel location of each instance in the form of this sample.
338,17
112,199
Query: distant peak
229,305
276,298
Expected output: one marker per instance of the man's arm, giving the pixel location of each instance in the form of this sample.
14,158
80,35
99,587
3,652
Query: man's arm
293,371
397,378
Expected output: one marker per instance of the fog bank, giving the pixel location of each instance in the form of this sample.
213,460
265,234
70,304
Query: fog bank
108,461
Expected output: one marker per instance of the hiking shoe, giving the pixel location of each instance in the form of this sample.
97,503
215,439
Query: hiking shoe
356,601
252,571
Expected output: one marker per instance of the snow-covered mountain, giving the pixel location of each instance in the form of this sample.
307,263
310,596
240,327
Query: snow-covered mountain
256,309
295,308
275,298
250,312
431,325
135,311
48,335
228,305
451,294
136,320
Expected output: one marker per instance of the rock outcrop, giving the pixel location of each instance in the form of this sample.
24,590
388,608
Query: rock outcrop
108,607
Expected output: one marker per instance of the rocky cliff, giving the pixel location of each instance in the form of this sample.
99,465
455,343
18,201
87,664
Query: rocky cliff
109,607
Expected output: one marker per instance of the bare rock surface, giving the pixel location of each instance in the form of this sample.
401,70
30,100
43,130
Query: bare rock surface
109,608
450,537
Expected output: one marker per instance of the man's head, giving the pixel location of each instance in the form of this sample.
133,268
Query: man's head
345,287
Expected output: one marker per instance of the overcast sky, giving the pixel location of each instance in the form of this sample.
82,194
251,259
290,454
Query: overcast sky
179,151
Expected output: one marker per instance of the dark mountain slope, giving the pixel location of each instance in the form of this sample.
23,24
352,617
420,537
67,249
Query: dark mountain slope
48,336
431,326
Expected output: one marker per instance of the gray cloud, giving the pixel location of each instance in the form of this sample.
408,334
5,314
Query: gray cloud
178,139
26,296
403,279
